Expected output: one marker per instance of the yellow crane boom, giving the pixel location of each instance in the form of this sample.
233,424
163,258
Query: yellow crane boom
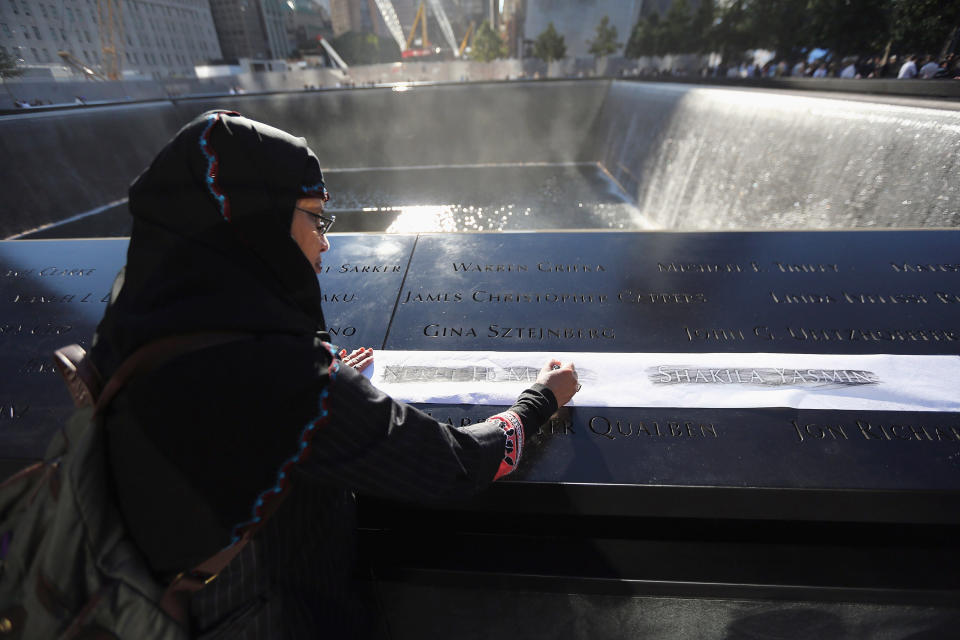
466,38
421,19
110,23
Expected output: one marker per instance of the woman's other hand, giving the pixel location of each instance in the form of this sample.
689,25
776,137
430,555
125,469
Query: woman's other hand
561,379
360,359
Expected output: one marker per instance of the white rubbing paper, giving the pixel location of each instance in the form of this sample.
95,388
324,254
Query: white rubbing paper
695,380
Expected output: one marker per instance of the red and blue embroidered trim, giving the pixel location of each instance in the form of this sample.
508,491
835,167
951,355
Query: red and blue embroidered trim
513,447
318,190
303,450
213,167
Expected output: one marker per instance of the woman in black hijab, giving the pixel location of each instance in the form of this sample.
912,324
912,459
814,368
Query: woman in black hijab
228,236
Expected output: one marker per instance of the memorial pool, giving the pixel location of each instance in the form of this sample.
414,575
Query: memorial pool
724,510
589,154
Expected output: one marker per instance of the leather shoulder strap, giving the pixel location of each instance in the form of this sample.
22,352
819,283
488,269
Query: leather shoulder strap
85,383
82,378
154,354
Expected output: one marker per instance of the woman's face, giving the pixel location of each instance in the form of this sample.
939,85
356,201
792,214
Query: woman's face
305,233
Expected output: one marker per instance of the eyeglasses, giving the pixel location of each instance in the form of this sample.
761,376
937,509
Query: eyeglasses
323,222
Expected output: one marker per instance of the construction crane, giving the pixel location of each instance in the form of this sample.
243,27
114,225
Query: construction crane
466,38
393,23
110,24
84,69
337,60
421,19
444,22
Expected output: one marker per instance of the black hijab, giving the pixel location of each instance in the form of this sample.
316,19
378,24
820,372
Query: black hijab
211,251
211,248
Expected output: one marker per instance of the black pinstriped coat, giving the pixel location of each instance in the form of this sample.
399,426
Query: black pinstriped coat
200,447
296,577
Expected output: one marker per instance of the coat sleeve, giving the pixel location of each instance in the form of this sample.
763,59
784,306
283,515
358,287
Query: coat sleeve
375,445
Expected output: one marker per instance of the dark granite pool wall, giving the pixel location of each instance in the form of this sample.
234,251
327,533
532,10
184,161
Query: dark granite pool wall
691,157
59,164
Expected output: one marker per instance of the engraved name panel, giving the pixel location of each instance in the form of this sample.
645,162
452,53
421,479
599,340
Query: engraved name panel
53,293
803,292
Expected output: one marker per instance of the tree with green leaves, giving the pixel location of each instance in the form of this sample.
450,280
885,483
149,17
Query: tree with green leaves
923,26
550,45
849,27
365,48
781,26
605,43
677,28
701,27
794,27
9,68
647,38
487,44
732,31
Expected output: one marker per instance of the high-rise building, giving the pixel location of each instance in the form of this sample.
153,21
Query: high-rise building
360,16
158,38
511,26
251,28
307,21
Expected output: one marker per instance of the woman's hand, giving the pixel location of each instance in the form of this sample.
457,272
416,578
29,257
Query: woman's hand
360,359
561,379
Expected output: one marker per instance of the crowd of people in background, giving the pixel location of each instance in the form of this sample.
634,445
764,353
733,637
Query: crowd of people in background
908,67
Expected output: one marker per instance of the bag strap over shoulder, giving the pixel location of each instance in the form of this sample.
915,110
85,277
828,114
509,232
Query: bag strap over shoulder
86,388
82,378
154,354
85,383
